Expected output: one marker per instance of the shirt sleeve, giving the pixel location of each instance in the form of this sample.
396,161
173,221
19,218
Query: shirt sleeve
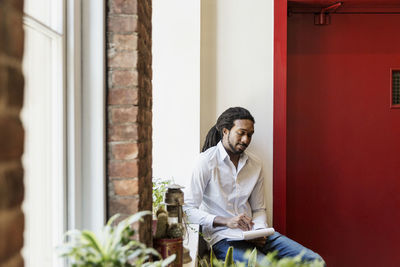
194,196
257,203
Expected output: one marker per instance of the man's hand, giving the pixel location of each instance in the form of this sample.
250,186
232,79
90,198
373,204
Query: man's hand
258,242
241,221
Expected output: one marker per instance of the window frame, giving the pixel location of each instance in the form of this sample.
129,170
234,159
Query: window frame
86,100
81,104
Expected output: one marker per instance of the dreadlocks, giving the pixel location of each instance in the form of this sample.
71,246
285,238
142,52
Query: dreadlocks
225,120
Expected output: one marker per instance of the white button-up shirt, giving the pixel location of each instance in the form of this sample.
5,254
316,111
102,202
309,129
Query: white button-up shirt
218,188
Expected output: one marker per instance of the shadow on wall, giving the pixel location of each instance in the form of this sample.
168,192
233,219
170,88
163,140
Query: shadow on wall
208,69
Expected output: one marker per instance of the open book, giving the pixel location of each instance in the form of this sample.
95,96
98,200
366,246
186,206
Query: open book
247,235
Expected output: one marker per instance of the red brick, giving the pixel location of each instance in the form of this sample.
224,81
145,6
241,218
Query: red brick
123,169
123,6
123,78
15,83
123,132
11,138
124,114
123,96
128,33
144,168
145,132
122,59
3,28
145,116
126,187
11,188
3,81
124,151
124,42
11,232
17,4
122,24
14,261
123,205
12,32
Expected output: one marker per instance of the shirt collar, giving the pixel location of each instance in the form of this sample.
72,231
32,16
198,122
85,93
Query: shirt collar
223,154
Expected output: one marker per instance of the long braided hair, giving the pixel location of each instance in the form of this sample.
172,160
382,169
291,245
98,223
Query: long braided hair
225,120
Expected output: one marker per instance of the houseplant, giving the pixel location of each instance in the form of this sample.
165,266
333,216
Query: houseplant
113,247
270,260
159,189
168,228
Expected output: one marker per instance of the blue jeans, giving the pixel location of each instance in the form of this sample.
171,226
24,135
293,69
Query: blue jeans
285,247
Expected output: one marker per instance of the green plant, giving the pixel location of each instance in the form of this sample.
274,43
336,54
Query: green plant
270,260
159,189
113,247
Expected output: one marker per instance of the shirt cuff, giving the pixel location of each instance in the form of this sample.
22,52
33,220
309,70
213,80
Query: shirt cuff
210,220
259,225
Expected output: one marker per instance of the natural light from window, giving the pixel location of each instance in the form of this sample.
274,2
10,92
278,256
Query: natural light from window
43,117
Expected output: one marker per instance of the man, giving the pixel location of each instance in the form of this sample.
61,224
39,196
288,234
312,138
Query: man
226,193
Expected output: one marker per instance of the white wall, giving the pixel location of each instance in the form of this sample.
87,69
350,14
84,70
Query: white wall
237,70
176,88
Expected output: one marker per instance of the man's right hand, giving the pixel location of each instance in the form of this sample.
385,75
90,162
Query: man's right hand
241,221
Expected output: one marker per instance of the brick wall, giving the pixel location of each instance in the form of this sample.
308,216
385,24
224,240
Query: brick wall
129,109
11,133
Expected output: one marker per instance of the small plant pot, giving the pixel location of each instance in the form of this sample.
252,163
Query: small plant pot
168,247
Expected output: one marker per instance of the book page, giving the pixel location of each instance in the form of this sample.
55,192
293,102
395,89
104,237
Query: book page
248,235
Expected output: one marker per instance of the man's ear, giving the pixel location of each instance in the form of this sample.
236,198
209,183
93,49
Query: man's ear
225,131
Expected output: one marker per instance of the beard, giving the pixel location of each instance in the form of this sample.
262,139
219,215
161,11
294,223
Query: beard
233,148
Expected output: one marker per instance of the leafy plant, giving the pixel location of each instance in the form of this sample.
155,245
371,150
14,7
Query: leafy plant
290,261
269,260
113,247
159,189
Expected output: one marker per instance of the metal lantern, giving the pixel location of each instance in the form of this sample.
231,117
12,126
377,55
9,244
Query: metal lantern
174,201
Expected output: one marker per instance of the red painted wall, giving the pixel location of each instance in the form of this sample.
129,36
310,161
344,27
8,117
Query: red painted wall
280,68
343,139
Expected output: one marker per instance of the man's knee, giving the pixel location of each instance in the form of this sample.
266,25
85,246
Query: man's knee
311,256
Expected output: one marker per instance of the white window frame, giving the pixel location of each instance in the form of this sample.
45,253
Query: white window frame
57,136
80,147
86,107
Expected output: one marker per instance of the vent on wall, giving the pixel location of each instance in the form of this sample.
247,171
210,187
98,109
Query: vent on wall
395,88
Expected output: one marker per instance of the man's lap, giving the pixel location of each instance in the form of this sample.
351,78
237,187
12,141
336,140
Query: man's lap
284,245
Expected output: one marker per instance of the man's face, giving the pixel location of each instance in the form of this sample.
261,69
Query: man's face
237,139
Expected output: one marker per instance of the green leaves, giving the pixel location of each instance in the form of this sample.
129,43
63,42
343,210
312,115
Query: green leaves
252,260
113,247
270,260
159,189
229,262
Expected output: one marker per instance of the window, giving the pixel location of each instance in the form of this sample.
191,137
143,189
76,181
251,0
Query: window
43,118
64,118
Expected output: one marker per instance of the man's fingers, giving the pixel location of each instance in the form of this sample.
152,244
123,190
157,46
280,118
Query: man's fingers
248,221
242,225
245,224
242,221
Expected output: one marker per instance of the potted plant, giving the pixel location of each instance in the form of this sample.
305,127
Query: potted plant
113,247
168,227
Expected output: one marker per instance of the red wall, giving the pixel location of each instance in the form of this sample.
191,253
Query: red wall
343,140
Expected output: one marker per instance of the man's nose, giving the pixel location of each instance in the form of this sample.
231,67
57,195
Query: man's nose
245,139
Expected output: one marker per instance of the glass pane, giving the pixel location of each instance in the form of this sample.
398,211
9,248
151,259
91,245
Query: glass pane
43,204
48,12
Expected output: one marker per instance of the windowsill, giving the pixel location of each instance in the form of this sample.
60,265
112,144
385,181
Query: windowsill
191,242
